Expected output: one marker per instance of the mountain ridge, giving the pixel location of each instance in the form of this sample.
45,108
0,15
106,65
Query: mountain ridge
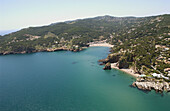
97,17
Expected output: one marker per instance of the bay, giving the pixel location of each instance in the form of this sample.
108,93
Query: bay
70,81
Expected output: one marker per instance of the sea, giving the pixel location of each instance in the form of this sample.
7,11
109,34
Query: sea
71,81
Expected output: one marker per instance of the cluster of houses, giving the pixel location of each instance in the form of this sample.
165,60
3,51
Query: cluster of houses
31,37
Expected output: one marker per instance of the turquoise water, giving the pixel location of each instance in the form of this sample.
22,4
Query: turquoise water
69,81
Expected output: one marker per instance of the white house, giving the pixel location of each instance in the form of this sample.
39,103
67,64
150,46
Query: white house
156,75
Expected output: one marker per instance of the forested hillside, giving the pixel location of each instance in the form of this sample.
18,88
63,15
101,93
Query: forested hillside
143,37
145,47
79,32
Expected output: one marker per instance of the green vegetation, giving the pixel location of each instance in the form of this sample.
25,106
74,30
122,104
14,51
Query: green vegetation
145,47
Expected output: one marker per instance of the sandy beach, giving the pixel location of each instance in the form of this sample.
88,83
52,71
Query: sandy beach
128,71
101,44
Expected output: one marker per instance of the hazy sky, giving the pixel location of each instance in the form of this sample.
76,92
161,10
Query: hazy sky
17,14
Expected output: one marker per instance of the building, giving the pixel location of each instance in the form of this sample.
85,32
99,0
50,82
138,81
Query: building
156,75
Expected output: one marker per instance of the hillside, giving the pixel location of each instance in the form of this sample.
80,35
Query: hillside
79,32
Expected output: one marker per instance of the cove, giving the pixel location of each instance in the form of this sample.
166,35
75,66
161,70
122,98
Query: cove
70,81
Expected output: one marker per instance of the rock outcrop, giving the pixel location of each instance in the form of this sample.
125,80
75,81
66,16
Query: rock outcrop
148,85
112,58
115,58
107,66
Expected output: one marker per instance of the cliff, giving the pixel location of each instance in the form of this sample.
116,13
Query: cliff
115,58
112,58
149,84
107,66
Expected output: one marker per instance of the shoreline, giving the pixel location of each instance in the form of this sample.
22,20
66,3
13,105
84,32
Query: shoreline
128,71
113,65
43,50
58,49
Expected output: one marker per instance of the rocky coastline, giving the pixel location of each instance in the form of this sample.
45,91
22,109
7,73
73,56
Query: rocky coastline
142,83
151,83
43,50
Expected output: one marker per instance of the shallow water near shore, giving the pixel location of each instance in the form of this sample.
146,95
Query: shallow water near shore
70,81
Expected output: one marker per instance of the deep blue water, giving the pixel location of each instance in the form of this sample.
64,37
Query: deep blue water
70,81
